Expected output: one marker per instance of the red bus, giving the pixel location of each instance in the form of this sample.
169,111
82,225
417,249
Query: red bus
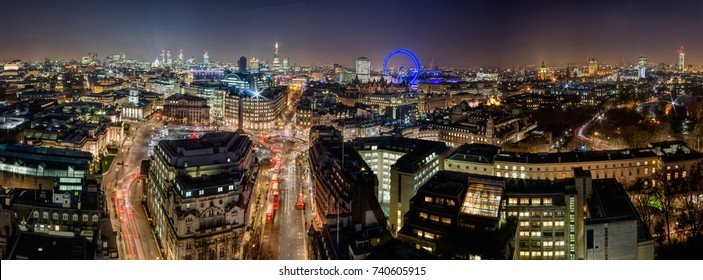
300,205
274,192
269,214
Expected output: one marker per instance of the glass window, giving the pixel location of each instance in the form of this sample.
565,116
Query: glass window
535,201
64,217
75,217
423,215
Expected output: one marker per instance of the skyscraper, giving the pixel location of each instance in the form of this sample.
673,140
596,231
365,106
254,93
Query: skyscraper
681,66
363,69
642,69
180,57
168,58
276,60
206,58
242,64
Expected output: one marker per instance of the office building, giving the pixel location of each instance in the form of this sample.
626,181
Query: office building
363,69
348,212
562,219
675,157
401,165
198,195
187,109
256,110
242,64
642,67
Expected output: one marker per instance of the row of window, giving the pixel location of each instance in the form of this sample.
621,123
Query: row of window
434,218
64,216
540,253
530,201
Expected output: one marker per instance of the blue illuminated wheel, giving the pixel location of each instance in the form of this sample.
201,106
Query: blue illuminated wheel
409,54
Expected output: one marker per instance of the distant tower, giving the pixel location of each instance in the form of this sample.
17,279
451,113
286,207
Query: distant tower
363,69
134,96
168,58
242,64
286,63
543,72
276,60
180,57
163,57
593,67
206,58
642,67
682,65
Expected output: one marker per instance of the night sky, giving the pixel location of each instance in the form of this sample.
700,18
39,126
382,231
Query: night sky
454,33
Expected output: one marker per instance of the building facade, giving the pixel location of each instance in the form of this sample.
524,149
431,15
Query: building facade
198,193
187,109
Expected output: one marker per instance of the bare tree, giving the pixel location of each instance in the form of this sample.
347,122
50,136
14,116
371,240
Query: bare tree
691,193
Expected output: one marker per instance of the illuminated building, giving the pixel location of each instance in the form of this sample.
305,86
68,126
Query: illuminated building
642,67
593,67
252,110
681,66
206,59
181,62
623,165
85,127
484,128
543,72
198,196
276,65
348,212
187,109
136,108
163,85
402,165
577,218
363,69
42,166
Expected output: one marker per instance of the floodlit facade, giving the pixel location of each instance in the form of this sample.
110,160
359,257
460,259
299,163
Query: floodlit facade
198,195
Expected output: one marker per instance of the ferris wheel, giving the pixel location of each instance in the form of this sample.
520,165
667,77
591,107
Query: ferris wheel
412,74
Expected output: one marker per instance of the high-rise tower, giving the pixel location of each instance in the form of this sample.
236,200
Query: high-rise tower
682,65
363,69
642,67
276,60
206,58
180,57
242,64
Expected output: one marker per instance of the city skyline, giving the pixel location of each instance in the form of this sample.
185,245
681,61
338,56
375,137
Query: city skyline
480,33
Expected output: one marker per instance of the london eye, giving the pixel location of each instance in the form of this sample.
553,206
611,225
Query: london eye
411,78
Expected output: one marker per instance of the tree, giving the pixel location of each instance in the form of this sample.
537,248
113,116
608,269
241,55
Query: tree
691,195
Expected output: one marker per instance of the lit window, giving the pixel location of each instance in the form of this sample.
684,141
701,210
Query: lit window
219,189
188,194
535,201
201,192
547,201
512,201
423,215
428,199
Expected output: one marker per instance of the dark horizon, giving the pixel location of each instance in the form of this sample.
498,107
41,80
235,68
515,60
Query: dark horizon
451,33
